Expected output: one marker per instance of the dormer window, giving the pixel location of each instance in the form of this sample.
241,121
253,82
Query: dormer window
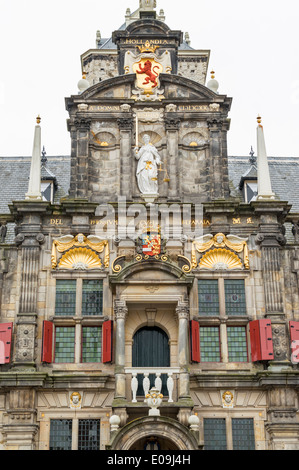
48,180
248,183
47,190
250,191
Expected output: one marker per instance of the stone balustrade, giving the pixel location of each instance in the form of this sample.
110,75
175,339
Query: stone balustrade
145,373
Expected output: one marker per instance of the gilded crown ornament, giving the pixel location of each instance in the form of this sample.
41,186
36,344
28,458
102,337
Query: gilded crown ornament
148,47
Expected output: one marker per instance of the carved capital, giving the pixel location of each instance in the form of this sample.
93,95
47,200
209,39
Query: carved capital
215,125
182,311
125,124
270,239
120,310
82,124
172,123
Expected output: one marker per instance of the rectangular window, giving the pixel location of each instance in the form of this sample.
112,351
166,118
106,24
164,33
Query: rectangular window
237,344
89,434
208,297
235,303
214,434
209,344
65,297
243,434
64,344
61,434
91,344
92,297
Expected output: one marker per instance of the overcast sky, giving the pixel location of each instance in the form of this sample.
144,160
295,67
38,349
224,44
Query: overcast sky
254,51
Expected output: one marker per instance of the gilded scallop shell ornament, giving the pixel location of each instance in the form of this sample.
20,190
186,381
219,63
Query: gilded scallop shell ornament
220,259
80,259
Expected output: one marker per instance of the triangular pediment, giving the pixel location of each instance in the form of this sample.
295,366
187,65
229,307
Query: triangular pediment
176,89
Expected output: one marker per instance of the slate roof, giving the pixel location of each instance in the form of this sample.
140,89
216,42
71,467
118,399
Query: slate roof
284,174
14,177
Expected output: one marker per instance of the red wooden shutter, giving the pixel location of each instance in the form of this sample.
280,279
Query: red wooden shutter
47,343
194,341
294,334
107,335
5,342
261,340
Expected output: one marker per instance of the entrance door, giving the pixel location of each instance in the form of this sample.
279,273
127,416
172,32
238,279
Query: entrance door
151,349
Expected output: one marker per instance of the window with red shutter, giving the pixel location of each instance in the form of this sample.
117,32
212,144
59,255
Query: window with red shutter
194,341
107,339
47,343
261,340
5,342
294,334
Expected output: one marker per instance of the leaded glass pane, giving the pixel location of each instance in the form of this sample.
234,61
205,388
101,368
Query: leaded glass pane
60,434
91,344
214,434
209,344
64,344
92,297
237,344
89,434
235,303
243,434
65,297
208,297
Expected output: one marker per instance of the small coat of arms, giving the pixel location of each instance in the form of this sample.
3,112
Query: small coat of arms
151,244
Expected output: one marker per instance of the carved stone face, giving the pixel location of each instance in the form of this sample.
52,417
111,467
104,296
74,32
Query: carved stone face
146,139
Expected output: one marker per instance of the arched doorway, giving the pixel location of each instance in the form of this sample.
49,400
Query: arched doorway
151,349
160,432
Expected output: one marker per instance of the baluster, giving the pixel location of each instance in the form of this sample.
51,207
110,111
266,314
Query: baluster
170,385
134,386
146,384
158,382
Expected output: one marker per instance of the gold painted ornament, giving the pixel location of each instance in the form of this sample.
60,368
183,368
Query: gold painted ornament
80,259
220,259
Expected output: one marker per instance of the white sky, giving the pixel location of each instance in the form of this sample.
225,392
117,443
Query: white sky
254,50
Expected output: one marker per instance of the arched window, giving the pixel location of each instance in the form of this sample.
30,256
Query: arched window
151,349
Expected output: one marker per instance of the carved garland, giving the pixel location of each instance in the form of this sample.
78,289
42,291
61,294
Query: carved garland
80,252
220,257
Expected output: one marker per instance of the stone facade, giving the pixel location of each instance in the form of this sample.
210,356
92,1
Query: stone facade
74,239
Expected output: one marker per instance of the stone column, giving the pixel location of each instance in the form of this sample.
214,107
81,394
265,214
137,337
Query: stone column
182,312
125,125
120,312
172,125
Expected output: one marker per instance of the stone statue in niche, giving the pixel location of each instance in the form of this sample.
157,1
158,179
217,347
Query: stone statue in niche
147,170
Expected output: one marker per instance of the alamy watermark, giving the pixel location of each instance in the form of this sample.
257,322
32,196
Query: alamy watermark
125,220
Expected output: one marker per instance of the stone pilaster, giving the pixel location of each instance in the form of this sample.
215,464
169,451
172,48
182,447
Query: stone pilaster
282,425
182,312
79,158
29,239
120,313
20,426
271,239
125,125
27,315
218,159
172,125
